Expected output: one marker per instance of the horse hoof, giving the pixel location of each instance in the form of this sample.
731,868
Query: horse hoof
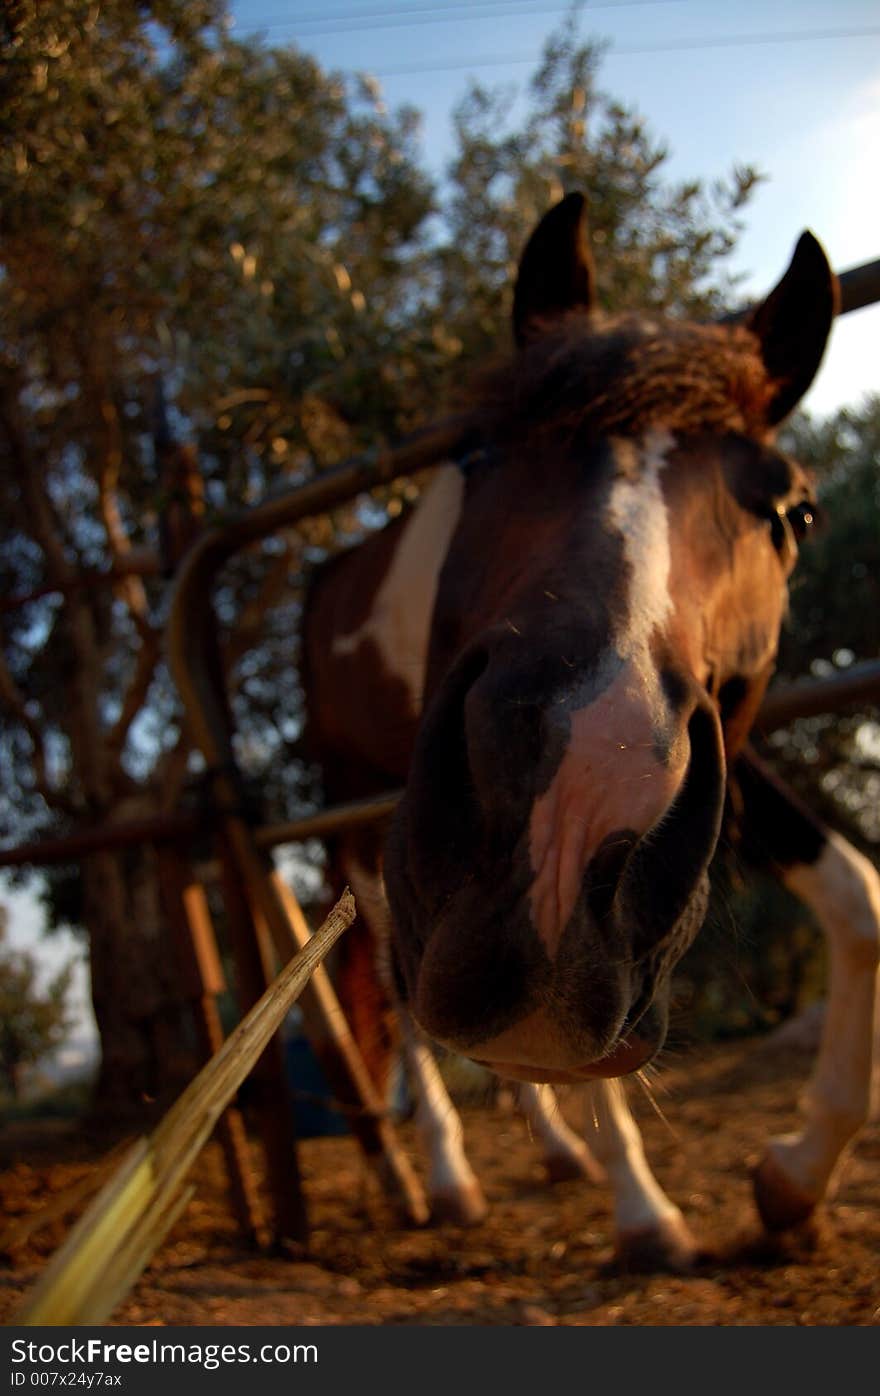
669,1244
463,1206
781,1203
573,1164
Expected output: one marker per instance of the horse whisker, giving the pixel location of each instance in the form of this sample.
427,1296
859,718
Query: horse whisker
654,1103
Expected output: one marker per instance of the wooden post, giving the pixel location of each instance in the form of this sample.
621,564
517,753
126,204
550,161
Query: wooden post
187,910
277,920
255,968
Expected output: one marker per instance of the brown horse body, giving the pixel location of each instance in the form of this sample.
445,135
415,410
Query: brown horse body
560,652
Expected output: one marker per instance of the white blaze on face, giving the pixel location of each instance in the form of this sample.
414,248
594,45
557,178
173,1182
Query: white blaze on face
610,777
637,511
399,623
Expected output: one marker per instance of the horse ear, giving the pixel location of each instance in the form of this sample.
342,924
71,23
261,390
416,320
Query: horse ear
556,272
793,324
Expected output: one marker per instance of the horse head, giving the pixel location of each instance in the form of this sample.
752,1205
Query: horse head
606,620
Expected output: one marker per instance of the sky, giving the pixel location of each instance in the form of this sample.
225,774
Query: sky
791,86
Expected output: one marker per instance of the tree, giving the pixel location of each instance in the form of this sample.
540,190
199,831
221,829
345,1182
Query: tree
225,219
658,245
32,1022
835,615
178,206
834,619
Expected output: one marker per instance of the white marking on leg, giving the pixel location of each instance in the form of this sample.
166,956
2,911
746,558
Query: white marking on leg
843,889
565,1155
640,1204
399,623
453,1189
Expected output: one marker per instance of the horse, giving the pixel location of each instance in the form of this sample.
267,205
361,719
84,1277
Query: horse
559,652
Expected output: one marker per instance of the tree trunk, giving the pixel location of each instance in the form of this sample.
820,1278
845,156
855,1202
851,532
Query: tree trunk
138,991
12,1076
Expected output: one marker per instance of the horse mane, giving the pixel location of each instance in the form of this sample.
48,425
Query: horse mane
592,377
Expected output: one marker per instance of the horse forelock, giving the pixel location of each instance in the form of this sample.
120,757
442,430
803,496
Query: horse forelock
591,377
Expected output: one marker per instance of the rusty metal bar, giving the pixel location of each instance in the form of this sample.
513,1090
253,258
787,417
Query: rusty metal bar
811,697
173,828
142,565
859,286
328,821
334,486
783,704
70,847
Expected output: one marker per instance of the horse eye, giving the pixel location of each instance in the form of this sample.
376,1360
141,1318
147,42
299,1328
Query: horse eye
788,527
801,517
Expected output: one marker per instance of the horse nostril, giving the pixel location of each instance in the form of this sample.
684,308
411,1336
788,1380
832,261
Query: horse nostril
666,867
626,854
605,871
503,743
443,829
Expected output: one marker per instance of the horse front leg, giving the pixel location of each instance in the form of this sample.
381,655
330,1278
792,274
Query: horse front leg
651,1232
843,890
454,1193
565,1155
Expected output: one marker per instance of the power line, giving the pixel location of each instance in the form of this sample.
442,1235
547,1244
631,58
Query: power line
417,16
615,50
502,9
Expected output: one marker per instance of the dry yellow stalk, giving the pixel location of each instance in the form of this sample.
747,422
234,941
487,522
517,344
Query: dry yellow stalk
115,1238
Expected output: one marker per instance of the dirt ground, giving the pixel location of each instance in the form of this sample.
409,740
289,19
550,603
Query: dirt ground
545,1254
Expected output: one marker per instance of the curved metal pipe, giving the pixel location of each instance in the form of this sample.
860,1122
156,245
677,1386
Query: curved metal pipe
812,697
